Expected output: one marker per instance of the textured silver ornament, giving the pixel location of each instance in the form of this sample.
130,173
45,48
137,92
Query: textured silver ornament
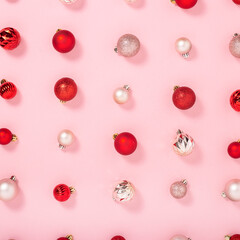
183,144
123,192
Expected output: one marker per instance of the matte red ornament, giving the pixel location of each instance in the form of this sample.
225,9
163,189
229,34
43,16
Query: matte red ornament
6,136
65,89
236,1
125,143
9,38
234,149
62,192
7,89
118,238
183,97
69,237
63,41
185,4
235,100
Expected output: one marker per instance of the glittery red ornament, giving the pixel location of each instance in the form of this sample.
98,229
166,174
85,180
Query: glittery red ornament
235,100
7,89
118,238
62,192
186,4
6,136
234,150
183,97
235,237
63,41
9,38
65,89
125,143
236,1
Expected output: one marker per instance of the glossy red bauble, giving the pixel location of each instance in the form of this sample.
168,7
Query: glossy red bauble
9,38
6,136
63,41
62,192
7,90
118,238
235,100
125,143
186,4
236,1
69,237
65,89
183,97
234,150
235,237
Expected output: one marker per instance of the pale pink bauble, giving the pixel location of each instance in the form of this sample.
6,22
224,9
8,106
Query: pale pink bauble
232,190
234,46
179,237
128,45
179,189
68,1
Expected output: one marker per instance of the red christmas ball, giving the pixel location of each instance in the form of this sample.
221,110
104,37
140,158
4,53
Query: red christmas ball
236,1
63,41
69,237
234,150
7,89
62,192
183,97
186,4
65,89
235,237
9,38
118,238
125,143
6,136
235,100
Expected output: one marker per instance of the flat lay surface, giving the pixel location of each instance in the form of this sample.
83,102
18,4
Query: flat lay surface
92,165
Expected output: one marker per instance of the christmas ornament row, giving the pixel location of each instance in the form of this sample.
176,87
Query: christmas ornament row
123,192
185,4
128,45
175,237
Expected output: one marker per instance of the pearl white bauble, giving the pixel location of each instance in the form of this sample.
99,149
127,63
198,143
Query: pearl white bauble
65,138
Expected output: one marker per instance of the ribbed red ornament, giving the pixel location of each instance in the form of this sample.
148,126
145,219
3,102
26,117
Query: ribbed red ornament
62,192
186,4
125,143
234,150
6,136
118,238
183,97
235,100
65,89
236,1
7,89
235,237
9,38
63,41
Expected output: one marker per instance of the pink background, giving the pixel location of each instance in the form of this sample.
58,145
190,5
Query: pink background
92,165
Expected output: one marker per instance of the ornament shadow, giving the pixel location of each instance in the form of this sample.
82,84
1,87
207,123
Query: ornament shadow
75,146
198,9
20,50
138,4
11,146
193,54
77,102
187,200
195,111
137,157
128,105
140,58
17,203
16,100
71,202
195,158
12,1
136,204
78,5
75,53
